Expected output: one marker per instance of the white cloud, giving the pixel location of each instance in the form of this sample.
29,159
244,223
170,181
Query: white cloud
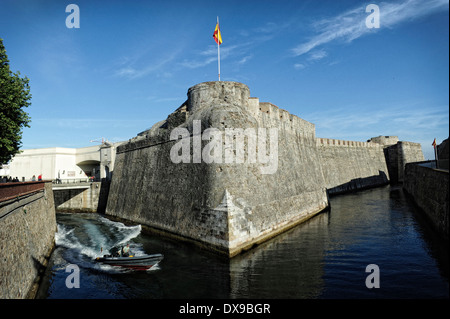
155,99
267,30
299,66
193,64
313,57
126,72
414,124
269,27
134,72
350,25
317,55
239,53
245,59
209,55
145,60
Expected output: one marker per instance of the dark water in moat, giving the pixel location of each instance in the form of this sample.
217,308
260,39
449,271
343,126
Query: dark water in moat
326,257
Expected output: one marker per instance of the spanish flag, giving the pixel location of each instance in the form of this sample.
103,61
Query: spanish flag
216,35
434,143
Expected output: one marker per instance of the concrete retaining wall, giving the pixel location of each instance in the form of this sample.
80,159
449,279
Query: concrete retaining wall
429,188
27,229
84,197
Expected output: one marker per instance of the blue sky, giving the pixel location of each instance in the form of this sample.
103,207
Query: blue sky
131,63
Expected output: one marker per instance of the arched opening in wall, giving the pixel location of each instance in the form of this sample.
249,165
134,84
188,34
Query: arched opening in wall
91,168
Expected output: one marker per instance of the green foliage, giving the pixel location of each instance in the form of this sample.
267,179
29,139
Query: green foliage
14,96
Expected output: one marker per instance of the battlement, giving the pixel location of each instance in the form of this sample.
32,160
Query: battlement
270,115
208,97
335,142
234,94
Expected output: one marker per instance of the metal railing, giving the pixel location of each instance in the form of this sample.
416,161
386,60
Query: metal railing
75,180
17,189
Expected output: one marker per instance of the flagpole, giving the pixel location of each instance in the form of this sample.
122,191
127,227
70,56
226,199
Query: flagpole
218,49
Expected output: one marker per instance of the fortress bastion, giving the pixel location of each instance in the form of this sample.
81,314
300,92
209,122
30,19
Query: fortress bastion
227,171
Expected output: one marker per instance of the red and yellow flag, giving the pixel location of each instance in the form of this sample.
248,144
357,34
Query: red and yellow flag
216,35
434,143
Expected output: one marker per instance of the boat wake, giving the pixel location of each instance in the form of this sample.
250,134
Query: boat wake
95,236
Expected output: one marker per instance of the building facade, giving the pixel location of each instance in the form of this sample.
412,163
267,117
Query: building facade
62,164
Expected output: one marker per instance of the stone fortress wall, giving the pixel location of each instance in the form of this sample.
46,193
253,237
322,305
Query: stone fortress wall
397,154
351,165
229,206
27,236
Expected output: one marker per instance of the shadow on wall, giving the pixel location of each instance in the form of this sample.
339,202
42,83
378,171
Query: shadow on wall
103,196
63,196
92,198
360,184
40,273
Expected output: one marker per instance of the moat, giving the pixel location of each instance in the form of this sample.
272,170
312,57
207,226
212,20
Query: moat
324,258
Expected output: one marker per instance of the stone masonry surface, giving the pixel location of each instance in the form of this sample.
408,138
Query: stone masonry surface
27,234
230,206
84,197
428,188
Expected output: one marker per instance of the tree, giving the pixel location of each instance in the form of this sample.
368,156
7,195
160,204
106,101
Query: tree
14,96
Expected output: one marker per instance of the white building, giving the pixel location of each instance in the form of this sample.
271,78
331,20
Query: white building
4,170
65,164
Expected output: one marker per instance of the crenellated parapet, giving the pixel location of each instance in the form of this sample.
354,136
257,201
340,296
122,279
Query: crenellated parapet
269,114
335,142
211,102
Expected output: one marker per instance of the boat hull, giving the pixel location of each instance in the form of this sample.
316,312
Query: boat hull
134,262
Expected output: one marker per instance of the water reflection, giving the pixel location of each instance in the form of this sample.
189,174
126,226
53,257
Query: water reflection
325,257
288,266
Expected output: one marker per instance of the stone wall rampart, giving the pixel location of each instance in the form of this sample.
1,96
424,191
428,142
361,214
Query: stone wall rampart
270,115
404,152
351,165
231,206
335,142
267,115
228,206
429,189
27,234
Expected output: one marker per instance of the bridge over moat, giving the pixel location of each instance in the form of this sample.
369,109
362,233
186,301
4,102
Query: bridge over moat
83,196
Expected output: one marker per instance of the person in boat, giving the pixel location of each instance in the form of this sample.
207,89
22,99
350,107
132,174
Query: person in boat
123,251
126,251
